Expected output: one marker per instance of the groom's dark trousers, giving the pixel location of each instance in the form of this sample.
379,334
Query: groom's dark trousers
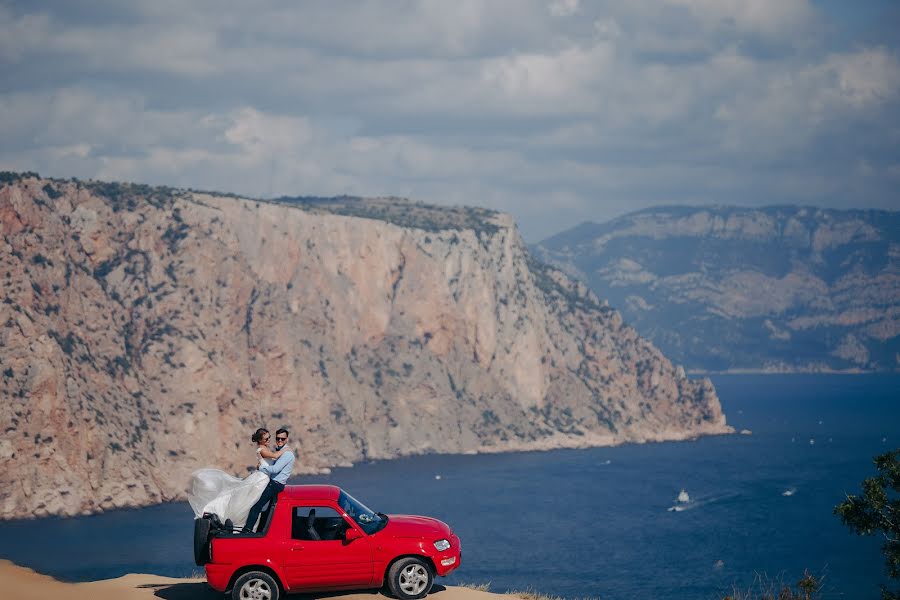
273,489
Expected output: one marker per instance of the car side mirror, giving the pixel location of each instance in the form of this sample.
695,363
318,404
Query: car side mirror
352,534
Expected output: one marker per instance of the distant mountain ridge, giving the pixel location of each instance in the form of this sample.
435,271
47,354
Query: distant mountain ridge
780,288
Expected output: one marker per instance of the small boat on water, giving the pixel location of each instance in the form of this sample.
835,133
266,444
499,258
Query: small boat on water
681,502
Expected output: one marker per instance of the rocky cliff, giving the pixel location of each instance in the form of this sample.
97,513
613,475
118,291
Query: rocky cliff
146,332
777,289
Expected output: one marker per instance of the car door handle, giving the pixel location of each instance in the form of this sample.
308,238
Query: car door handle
295,548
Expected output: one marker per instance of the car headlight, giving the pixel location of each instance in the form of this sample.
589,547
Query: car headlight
441,545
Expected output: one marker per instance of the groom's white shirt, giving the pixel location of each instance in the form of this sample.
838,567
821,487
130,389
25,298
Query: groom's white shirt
281,469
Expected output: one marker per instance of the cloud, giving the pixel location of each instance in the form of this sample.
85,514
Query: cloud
767,17
563,8
795,107
258,135
863,78
557,111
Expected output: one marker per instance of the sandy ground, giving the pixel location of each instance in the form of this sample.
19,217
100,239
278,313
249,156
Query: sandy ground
24,584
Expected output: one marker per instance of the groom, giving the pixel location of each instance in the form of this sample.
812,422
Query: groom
278,475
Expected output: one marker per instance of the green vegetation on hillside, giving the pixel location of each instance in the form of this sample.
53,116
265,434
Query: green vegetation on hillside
127,196
397,211
550,281
400,212
121,196
13,177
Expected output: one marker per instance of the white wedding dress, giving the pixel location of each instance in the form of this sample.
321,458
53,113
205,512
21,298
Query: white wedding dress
215,491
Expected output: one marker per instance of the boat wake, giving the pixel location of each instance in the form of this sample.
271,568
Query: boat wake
698,502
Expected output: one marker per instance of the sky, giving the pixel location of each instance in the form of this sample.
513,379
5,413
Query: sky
556,111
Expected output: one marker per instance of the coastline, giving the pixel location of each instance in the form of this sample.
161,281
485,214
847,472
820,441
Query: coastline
737,475
777,371
555,442
25,584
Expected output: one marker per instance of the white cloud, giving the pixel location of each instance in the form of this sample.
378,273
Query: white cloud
547,83
524,105
20,35
74,150
768,17
869,76
259,135
793,107
563,8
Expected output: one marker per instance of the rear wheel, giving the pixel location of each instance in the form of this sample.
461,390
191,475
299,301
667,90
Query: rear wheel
255,585
201,540
410,578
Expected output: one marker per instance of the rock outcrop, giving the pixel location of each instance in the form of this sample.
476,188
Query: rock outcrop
146,332
726,288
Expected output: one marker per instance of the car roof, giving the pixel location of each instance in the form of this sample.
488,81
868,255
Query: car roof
311,492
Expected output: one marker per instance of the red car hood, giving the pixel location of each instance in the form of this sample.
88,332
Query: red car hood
414,526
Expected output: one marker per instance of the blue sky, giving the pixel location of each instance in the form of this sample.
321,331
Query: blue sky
557,111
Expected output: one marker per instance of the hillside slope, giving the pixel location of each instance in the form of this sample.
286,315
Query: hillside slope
779,288
148,331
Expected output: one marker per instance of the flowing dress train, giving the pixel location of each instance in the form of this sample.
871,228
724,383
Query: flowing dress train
215,491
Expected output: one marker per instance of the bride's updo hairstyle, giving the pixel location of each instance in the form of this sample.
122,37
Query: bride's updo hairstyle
258,436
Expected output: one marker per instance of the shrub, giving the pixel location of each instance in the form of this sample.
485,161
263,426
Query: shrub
531,594
878,510
11,177
67,343
765,588
51,192
478,587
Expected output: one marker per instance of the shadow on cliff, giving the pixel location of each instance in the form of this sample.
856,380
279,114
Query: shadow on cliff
201,591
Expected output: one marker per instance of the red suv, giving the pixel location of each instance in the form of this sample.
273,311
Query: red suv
319,538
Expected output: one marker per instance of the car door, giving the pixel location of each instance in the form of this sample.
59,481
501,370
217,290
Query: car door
317,555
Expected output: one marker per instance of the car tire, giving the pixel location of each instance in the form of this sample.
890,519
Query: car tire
255,585
201,541
410,578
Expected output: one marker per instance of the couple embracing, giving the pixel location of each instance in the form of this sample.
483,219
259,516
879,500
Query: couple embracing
240,501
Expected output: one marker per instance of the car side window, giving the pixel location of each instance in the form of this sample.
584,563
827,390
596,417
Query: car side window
317,523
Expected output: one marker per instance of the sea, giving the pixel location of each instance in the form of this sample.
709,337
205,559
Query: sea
600,523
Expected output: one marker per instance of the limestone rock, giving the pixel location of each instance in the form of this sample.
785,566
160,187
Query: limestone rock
147,332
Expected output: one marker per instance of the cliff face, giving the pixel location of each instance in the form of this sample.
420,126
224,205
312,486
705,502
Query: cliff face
147,332
781,289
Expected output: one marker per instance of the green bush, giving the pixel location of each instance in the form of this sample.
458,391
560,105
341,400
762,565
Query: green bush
877,510
12,177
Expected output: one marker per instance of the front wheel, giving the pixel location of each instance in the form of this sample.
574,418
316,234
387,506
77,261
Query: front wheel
410,578
255,585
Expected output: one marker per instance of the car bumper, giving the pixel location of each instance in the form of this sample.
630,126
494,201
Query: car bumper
450,559
218,576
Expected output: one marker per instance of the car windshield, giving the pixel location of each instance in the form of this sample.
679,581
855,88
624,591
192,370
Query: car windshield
369,520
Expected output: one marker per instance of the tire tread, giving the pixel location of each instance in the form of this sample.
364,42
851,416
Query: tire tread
394,573
240,581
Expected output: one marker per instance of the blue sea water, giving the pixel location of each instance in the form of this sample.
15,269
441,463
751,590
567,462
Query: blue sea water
594,523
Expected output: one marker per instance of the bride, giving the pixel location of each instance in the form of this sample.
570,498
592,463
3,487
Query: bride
228,497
